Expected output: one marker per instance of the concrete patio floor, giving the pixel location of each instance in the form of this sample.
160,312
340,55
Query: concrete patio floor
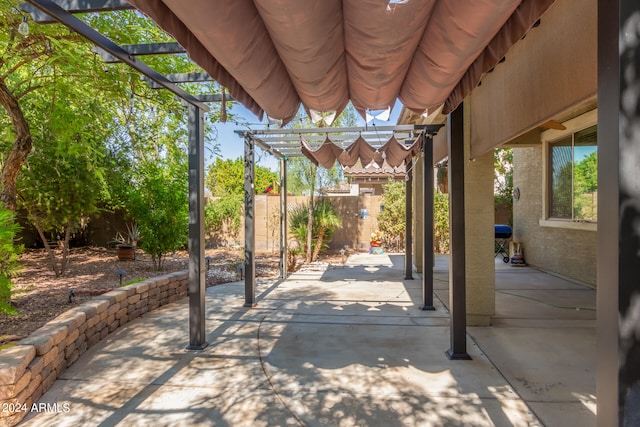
344,346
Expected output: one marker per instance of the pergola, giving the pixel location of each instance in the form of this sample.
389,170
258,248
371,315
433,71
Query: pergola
274,55
339,142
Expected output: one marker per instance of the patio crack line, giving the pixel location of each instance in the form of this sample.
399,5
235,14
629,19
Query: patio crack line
565,307
264,369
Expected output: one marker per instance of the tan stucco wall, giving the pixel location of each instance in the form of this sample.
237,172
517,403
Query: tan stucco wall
355,231
479,235
549,75
568,253
545,76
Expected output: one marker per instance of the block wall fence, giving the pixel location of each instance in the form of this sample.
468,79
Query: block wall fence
30,367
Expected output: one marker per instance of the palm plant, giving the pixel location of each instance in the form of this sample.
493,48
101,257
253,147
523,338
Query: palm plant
298,220
325,221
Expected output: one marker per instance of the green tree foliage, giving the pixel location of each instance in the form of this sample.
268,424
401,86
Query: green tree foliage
325,222
159,203
503,174
52,87
503,180
441,223
60,192
586,174
305,178
585,187
391,220
222,216
226,177
225,181
9,252
298,223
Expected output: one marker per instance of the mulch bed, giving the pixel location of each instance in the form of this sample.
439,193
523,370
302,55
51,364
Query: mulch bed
39,296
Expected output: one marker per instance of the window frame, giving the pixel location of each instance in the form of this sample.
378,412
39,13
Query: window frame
548,137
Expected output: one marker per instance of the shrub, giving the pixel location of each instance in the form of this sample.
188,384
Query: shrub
159,203
9,253
325,222
441,223
222,216
391,219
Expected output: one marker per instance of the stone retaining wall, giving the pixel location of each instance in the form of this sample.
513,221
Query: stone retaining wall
29,368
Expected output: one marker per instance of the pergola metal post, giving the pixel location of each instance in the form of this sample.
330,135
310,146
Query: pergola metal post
197,288
618,276
283,218
249,222
408,238
457,274
427,224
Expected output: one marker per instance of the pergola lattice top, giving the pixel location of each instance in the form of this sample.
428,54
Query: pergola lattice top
392,145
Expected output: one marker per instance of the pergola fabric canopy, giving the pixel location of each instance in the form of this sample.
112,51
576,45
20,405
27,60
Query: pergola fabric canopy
392,153
273,55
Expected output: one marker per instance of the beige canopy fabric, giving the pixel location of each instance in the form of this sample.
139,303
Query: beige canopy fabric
326,155
396,154
392,153
273,55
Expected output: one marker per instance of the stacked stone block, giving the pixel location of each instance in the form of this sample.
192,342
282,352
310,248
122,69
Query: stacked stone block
29,368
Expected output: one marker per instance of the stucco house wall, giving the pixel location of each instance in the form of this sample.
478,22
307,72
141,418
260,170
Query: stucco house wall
549,75
568,253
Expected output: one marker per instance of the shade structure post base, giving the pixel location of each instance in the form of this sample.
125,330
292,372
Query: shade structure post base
457,356
197,347
427,308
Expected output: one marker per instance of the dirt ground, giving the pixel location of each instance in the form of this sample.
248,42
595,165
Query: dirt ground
39,296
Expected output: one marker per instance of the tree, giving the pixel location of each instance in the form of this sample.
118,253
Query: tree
226,177
159,203
441,223
222,215
49,81
60,192
392,219
586,174
503,174
325,222
9,252
225,181
305,177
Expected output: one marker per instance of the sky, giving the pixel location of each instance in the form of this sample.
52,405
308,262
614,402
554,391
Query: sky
232,144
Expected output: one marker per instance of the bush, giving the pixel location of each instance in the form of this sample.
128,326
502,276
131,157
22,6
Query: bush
159,203
222,216
325,222
9,253
441,223
392,219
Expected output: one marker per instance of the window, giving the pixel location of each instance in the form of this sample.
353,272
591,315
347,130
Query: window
573,177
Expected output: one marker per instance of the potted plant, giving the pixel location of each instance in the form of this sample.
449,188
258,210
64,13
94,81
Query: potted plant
126,247
134,234
376,242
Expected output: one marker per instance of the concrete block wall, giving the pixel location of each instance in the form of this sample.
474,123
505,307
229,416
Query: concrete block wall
355,231
567,253
479,219
29,368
